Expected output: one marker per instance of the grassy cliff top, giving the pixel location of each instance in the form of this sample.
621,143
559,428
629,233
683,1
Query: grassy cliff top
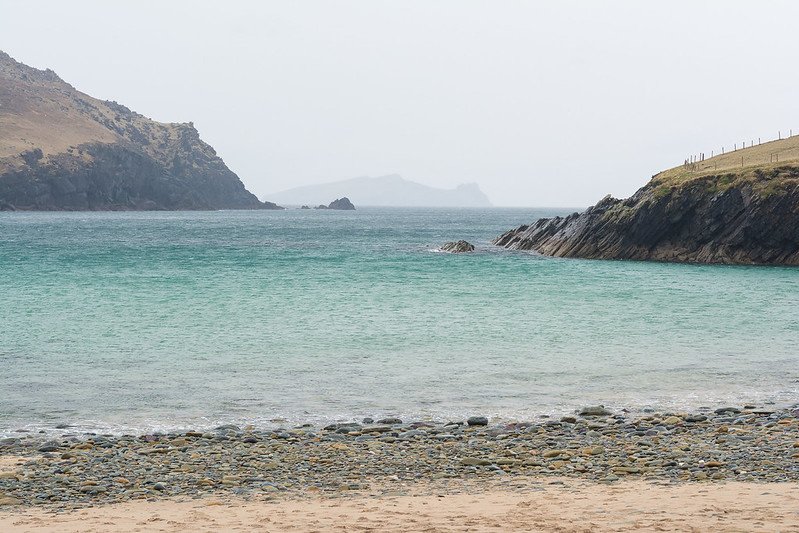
745,164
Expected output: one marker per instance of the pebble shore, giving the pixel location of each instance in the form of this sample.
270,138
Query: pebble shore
79,470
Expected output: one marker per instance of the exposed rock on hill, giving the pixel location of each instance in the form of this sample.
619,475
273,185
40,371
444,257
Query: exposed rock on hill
61,149
746,216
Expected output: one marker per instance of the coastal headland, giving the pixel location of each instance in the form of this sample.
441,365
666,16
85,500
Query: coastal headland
735,208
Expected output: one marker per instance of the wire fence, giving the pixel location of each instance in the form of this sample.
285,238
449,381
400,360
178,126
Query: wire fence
694,162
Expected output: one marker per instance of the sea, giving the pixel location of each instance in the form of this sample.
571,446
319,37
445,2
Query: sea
132,322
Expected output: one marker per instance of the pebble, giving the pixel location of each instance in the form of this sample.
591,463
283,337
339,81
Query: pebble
706,447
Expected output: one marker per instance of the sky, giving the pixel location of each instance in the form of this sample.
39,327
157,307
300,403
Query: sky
540,103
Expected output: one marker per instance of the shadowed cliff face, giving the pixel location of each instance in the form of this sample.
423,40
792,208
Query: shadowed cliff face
752,219
63,150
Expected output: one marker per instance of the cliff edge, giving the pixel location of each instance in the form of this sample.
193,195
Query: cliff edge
739,208
61,149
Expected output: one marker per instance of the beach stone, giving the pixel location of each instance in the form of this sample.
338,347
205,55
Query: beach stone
50,446
389,421
473,461
672,420
727,410
596,410
477,421
8,500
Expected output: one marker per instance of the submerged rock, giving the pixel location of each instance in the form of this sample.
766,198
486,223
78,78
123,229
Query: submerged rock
457,247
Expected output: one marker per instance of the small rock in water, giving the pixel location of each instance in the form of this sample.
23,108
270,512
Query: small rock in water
457,247
477,421
389,421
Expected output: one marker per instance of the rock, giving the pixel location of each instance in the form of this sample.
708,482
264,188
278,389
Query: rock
159,487
477,421
473,461
342,204
305,207
597,410
8,500
457,247
735,216
389,421
727,410
118,159
50,446
672,420
568,419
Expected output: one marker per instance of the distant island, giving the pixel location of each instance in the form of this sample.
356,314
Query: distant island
741,207
391,191
61,149
341,204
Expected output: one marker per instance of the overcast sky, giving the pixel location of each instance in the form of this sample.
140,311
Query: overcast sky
541,103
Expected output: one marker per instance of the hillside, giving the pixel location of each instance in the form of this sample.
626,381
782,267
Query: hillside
716,211
61,149
391,190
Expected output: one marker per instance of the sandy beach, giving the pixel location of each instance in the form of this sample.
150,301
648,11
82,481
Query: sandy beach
524,505
732,469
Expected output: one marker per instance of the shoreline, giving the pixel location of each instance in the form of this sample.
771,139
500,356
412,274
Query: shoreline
517,504
729,444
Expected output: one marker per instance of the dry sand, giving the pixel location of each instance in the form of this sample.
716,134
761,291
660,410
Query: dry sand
542,506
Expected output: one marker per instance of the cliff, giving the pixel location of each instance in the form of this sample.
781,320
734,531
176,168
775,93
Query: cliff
706,213
61,149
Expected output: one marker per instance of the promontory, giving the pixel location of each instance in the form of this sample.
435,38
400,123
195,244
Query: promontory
61,149
741,207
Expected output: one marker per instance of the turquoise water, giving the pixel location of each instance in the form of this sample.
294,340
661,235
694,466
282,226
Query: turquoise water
143,321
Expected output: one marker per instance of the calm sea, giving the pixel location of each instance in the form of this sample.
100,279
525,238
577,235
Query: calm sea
146,321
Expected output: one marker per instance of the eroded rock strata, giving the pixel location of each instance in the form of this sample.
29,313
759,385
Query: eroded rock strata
747,217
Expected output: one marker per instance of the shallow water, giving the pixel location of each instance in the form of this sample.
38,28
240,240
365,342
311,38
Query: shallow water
144,321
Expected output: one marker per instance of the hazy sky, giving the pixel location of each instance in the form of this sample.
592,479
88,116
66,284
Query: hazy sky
541,103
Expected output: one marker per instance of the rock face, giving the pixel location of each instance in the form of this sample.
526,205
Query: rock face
457,247
61,149
342,204
745,217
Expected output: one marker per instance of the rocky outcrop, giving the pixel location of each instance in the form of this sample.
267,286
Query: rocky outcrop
749,217
457,247
63,150
341,204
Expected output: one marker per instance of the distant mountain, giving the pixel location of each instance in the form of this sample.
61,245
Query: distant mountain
61,149
390,190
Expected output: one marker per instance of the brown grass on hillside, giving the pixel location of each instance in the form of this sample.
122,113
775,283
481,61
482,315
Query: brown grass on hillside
766,156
